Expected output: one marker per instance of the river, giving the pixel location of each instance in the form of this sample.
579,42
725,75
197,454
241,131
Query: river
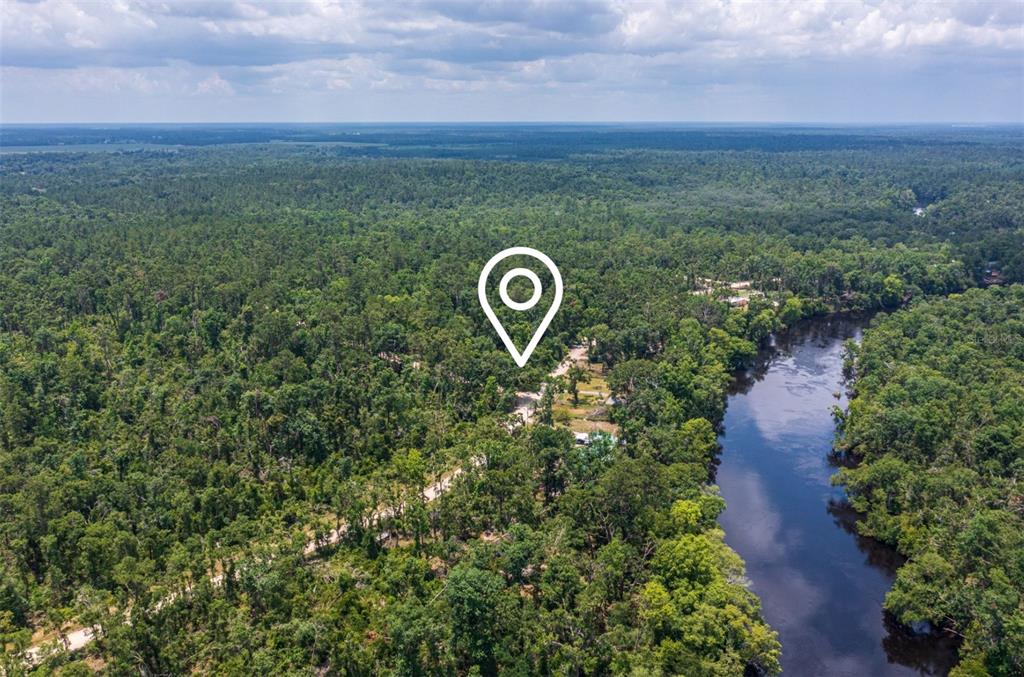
821,585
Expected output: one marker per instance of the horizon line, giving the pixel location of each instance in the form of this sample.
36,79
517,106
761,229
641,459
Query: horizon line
529,122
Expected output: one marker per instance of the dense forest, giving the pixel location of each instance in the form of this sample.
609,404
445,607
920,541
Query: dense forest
254,421
937,428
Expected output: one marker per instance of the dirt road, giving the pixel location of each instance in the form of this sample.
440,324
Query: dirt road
526,402
525,405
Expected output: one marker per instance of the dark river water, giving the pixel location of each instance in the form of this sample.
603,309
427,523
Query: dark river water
821,585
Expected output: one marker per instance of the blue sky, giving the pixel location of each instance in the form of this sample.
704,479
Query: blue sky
526,60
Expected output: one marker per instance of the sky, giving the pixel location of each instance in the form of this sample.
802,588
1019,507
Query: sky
511,60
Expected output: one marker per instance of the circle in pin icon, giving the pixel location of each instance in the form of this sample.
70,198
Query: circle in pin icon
520,357
513,274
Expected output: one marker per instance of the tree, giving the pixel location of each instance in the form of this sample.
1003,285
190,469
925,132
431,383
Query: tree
575,375
479,614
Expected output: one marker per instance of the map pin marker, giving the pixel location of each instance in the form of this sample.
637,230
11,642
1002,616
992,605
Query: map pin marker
520,358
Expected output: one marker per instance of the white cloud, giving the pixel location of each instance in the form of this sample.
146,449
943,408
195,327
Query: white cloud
459,30
90,80
620,47
215,84
795,28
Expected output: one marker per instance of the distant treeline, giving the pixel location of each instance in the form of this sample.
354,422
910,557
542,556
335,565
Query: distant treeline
539,141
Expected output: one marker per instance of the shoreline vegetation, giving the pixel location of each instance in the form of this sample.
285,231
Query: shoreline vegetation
211,355
935,434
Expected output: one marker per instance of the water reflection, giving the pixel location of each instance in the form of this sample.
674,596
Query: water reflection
877,554
930,653
821,586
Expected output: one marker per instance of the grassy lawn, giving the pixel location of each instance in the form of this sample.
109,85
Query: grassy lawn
590,413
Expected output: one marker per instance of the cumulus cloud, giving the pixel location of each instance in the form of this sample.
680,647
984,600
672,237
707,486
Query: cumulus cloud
215,84
612,48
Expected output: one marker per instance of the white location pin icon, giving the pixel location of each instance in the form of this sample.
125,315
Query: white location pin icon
520,358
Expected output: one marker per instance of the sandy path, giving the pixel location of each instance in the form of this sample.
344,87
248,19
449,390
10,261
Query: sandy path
77,639
525,405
